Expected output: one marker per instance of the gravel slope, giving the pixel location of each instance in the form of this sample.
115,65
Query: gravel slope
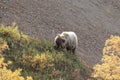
92,20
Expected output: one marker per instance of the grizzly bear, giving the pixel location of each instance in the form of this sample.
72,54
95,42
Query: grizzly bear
68,40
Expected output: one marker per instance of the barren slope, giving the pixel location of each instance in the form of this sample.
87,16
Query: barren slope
92,20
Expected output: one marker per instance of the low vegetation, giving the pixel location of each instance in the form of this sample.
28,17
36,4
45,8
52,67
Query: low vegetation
34,57
5,73
110,67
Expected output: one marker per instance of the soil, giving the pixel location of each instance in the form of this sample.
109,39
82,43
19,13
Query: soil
92,20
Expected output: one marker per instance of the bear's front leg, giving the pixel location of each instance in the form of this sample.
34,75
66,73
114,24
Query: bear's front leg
74,51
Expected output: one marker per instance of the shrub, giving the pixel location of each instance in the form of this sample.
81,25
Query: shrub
9,33
110,67
37,57
38,62
51,65
5,73
112,46
3,45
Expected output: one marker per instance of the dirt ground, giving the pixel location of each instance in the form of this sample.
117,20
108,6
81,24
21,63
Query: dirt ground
92,20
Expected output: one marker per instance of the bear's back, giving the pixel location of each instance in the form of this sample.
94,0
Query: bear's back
72,36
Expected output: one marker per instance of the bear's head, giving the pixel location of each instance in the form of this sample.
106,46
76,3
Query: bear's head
61,41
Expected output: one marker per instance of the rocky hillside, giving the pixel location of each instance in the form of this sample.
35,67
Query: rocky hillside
92,20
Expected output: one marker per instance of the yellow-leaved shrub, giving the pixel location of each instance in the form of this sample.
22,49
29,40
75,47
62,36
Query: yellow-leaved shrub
5,73
3,45
112,46
38,62
110,67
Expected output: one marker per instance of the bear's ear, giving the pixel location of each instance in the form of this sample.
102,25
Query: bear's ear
65,35
58,35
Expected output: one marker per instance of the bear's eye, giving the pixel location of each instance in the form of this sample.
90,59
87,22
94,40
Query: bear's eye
63,40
